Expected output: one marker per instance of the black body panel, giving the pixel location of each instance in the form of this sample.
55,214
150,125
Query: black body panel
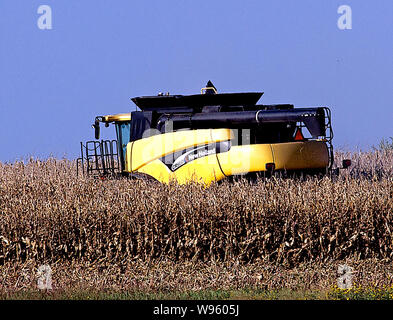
196,101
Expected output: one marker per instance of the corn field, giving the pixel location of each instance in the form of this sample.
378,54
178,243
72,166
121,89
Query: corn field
47,214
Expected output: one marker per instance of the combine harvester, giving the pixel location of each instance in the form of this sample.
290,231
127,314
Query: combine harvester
210,136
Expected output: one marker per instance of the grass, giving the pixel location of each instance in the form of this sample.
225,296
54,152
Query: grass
334,293
245,294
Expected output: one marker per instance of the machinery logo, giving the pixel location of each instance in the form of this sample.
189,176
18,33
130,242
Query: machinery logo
179,158
189,156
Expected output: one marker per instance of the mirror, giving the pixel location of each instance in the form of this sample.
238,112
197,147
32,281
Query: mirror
96,127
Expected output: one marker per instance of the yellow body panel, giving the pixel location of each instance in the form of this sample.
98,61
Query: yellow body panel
144,155
204,170
244,159
117,117
300,155
143,151
285,156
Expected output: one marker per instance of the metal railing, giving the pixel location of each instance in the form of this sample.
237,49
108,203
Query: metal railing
328,137
99,158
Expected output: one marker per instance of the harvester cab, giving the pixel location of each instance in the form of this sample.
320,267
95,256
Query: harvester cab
209,136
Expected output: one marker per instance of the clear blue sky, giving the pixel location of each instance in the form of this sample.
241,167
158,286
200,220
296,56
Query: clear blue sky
100,53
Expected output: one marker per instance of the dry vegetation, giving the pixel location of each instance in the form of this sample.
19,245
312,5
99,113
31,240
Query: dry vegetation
132,235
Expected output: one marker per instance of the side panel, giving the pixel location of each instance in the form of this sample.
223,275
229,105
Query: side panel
244,159
204,170
157,169
285,156
144,151
148,156
300,155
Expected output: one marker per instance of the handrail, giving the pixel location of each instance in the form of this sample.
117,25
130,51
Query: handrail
99,158
209,88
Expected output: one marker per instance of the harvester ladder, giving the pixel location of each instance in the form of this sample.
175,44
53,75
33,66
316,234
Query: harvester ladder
99,158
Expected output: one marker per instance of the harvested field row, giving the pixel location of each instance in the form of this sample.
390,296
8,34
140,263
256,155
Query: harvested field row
191,280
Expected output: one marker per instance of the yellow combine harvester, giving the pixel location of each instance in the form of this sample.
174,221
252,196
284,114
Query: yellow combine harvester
210,136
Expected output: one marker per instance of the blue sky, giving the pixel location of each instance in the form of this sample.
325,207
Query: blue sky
100,53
